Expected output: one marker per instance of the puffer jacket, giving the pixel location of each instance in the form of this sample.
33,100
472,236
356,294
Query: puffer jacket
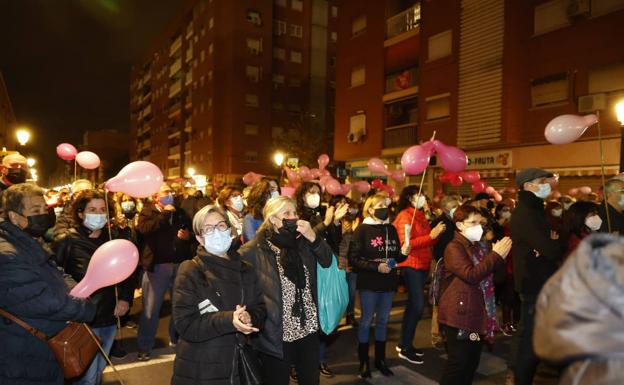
579,320
32,288
259,254
420,241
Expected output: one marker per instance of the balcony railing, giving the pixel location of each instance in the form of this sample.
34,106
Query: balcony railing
175,46
403,22
189,54
175,67
175,88
189,77
174,172
400,136
175,150
402,80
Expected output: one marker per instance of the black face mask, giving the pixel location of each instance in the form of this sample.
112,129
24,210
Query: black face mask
16,175
39,224
381,213
289,226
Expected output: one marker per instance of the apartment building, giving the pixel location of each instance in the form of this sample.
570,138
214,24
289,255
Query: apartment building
485,75
7,118
228,79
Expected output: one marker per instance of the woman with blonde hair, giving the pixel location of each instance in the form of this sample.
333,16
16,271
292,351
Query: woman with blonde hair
284,254
374,251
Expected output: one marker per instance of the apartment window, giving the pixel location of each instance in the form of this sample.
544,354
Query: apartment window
254,17
295,56
295,30
332,84
334,11
357,124
276,131
294,108
358,76
438,106
358,26
210,75
209,130
202,32
440,45
201,107
211,23
549,90
279,27
277,106
201,81
209,102
334,36
251,100
201,137
281,3
332,61
294,82
202,56
253,73
606,79
251,129
279,53
550,16
602,7
278,79
251,156
297,5
254,45
210,49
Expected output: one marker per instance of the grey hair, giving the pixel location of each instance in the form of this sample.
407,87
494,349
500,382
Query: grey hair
271,208
13,197
200,217
448,199
613,185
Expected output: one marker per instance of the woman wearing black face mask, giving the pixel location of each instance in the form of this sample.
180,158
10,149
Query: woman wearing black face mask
284,255
374,251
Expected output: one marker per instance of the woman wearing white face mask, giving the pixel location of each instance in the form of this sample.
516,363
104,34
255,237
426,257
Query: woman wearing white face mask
231,200
580,220
554,213
74,249
464,315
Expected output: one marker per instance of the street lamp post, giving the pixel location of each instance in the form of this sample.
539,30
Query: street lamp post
23,136
30,162
619,113
278,158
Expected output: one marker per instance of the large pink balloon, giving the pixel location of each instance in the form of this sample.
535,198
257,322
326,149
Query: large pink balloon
573,191
498,197
66,151
377,166
398,176
111,263
138,179
490,190
471,176
451,158
416,159
288,191
305,173
568,128
323,161
315,172
333,187
362,186
346,188
88,160
291,175
585,190
556,194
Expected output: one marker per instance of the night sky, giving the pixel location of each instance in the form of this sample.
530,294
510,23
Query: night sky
67,63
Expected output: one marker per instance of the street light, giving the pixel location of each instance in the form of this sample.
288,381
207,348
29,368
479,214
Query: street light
278,158
619,114
30,162
190,171
23,136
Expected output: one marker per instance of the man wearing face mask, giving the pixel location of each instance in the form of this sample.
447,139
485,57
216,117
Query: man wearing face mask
449,204
537,253
614,189
166,235
13,170
65,220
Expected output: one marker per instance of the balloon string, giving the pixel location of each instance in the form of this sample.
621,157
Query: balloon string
602,173
110,238
75,171
422,181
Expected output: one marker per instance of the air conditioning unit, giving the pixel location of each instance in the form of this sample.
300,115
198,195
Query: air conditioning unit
592,103
578,8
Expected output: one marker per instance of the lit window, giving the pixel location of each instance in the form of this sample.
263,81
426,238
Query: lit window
358,26
254,17
210,48
295,56
251,129
254,45
358,76
334,36
253,73
210,75
278,79
211,23
549,90
279,53
295,30
279,27
334,11
251,156
281,3
297,5
251,100
440,45
277,106
438,106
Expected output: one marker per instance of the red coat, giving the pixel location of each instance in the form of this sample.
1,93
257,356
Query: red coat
420,256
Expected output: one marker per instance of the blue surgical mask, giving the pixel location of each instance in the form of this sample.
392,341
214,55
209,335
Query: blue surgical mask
218,242
274,194
166,200
94,221
621,201
544,191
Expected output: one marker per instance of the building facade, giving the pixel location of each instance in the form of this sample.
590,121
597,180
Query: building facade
228,81
7,118
484,75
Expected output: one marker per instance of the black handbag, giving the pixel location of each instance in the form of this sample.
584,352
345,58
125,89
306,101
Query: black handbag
245,360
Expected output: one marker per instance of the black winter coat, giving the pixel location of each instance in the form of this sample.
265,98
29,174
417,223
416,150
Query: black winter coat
332,233
32,288
535,255
270,340
73,251
445,238
205,349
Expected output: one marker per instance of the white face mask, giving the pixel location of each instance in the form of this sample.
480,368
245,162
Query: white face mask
217,242
419,202
237,203
94,221
567,205
451,212
58,211
506,214
544,190
556,212
594,222
313,200
473,233
274,194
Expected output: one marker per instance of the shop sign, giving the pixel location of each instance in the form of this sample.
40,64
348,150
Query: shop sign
489,160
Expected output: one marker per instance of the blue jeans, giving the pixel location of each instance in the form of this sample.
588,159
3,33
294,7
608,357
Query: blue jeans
376,304
351,281
155,284
415,282
93,375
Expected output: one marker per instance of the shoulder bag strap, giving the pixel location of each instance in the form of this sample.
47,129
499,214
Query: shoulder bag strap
34,331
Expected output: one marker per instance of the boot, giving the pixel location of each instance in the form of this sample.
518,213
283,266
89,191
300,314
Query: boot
380,358
364,364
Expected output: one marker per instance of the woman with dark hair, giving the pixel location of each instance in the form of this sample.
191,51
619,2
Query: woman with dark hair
554,212
464,314
74,248
259,195
231,201
411,221
580,220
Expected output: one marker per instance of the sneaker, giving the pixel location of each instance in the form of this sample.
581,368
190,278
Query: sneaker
118,352
325,370
411,356
417,352
131,325
142,356
172,344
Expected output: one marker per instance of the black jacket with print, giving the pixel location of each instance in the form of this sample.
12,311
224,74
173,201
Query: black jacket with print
367,251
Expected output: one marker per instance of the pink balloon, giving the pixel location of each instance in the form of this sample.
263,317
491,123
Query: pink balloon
398,176
288,191
388,189
512,190
291,175
457,180
479,186
111,263
323,161
416,159
568,128
377,183
573,191
498,197
333,187
451,158
66,151
585,190
315,172
324,173
446,177
471,176
88,160
377,166
490,190
305,174
362,186
346,188
556,194
325,179
138,179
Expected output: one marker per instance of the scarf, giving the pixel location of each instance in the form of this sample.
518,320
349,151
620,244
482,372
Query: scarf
482,249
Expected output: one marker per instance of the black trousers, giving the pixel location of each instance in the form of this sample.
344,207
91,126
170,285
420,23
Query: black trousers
523,359
303,354
463,358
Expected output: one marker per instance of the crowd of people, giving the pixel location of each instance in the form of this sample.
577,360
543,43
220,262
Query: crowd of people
241,266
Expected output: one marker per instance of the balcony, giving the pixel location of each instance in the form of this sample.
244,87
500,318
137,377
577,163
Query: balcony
174,134
175,88
188,102
401,123
175,67
189,31
175,109
146,78
174,152
146,111
401,136
189,54
175,46
401,84
189,77
174,172
399,24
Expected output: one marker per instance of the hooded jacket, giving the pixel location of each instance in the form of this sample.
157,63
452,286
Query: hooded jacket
579,320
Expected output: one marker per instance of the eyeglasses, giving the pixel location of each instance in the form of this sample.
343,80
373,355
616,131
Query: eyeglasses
221,226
